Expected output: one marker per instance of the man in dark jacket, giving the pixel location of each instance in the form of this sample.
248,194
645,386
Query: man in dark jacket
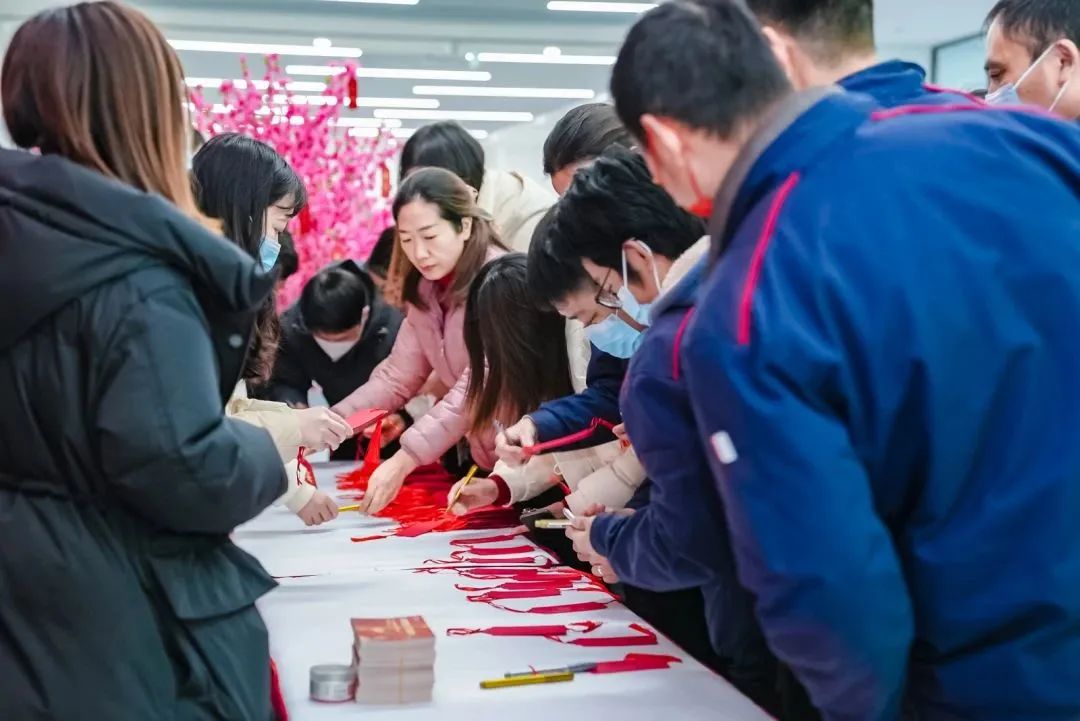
825,43
121,595
334,336
884,375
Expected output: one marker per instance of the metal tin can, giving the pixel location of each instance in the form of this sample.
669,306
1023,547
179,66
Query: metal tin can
333,683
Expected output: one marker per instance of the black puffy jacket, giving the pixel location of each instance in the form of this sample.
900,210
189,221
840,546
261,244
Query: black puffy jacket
123,327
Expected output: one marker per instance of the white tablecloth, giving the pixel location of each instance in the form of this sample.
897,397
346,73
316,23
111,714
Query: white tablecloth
326,579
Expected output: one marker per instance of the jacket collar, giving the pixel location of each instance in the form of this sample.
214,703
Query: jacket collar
672,290
891,83
796,132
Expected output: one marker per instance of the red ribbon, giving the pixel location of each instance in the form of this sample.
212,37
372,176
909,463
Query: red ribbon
637,662
571,439
642,637
304,472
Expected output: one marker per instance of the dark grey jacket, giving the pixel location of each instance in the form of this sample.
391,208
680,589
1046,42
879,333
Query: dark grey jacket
123,328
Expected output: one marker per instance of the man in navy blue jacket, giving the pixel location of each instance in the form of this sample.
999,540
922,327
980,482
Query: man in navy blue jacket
882,364
826,43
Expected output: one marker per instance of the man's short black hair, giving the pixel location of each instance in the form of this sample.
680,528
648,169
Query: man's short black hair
334,299
704,63
829,29
1037,24
551,276
444,145
379,260
582,134
609,202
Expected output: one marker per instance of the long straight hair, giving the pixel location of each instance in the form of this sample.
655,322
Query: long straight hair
236,178
517,351
455,201
98,84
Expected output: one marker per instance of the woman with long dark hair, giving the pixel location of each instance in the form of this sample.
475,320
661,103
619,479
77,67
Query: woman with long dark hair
254,192
447,239
124,330
522,362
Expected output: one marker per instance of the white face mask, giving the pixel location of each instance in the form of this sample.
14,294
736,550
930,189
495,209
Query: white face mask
335,349
1007,94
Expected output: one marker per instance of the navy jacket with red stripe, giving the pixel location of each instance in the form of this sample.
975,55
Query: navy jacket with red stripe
885,365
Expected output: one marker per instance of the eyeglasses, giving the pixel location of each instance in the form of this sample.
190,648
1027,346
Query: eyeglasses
605,297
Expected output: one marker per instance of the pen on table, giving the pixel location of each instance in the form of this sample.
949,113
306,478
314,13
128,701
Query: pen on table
345,509
576,668
468,478
528,680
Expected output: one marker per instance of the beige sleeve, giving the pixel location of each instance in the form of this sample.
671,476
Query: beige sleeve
611,485
277,418
298,493
528,480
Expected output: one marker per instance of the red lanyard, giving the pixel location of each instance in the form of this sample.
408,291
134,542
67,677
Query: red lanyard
569,440
642,636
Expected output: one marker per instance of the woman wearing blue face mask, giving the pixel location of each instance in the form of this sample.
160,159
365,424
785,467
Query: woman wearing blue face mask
253,192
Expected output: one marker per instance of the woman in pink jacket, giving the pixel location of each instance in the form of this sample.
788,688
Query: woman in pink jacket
447,239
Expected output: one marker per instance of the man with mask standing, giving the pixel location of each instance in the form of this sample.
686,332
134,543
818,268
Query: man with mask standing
1032,55
885,379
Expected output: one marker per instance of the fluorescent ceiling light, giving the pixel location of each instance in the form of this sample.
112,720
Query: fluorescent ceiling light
378,2
361,101
546,58
322,42
213,46
407,132
600,7
392,73
367,123
298,86
490,116
483,91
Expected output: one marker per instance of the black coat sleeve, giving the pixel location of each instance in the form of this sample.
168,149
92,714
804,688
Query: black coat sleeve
167,449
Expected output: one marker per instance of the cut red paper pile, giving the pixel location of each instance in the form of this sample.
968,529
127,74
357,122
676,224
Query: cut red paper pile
420,506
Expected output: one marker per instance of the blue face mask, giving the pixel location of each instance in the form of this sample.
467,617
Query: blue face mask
269,249
614,337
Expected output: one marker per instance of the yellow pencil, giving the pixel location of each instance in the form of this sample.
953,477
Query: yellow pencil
528,680
465,482
344,509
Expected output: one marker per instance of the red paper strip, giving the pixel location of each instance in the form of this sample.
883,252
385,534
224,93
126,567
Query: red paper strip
637,662
571,439
642,636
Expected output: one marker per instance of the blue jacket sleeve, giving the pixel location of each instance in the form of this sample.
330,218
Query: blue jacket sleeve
600,399
678,539
808,543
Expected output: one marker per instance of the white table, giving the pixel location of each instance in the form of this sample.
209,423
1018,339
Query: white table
326,579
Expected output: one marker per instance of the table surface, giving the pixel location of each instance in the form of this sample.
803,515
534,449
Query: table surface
326,579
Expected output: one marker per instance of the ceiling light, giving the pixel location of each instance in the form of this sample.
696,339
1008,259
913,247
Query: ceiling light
367,123
542,59
378,2
600,7
484,91
321,42
392,73
408,132
213,46
552,50
297,86
491,116
361,101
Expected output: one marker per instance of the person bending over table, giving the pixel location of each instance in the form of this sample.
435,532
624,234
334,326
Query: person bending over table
447,239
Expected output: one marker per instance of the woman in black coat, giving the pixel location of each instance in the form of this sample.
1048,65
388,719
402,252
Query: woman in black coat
124,328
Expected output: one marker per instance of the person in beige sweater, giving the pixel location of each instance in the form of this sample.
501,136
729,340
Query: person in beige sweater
509,337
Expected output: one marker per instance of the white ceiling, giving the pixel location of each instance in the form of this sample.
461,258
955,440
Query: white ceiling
438,34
